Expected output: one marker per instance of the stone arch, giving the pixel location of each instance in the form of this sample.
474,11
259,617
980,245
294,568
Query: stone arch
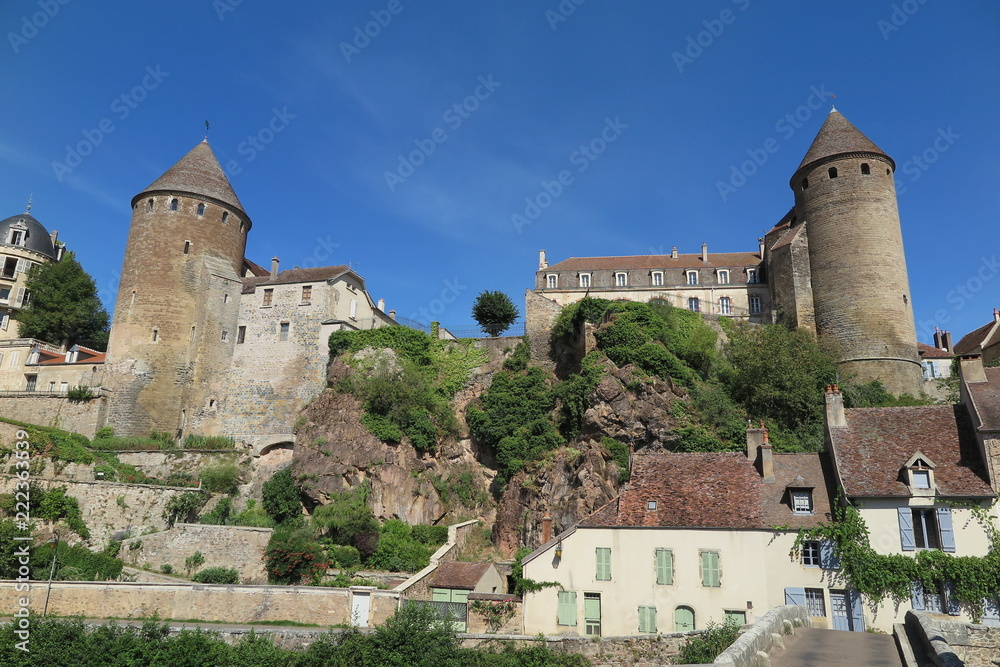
269,448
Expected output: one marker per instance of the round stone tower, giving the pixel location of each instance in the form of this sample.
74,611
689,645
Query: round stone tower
846,198
174,325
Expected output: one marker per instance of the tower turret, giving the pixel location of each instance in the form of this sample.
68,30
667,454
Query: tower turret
174,324
846,198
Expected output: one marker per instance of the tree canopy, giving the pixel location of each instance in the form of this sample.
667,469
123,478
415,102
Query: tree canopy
494,311
63,307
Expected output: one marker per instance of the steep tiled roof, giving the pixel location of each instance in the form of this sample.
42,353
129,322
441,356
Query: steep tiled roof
625,263
788,237
986,399
198,172
838,136
307,275
978,339
930,352
255,268
453,574
798,471
872,449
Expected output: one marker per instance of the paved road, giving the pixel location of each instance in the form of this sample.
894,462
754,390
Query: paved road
811,647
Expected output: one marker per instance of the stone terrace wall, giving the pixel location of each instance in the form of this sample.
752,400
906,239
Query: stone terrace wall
107,507
230,604
238,547
55,411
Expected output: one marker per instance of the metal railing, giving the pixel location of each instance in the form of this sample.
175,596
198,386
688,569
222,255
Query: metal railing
456,612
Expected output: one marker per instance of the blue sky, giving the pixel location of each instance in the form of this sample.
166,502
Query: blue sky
309,114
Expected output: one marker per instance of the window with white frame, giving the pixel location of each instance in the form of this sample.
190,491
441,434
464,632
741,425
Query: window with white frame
751,275
621,279
353,313
551,280
722,276
5,293
810,553
9,269
694,304
755,305
725,305
692,277
658,278
584,280
4,321
815,602
283,330
802,501
15,358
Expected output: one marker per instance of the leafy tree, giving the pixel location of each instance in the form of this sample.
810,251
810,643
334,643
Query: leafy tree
184,508
217,575
281,497
64,307
346,515
293,556
494,311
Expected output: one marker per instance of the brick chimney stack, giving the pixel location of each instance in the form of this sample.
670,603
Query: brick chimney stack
766,462
835,417
543,263
755,438
546,528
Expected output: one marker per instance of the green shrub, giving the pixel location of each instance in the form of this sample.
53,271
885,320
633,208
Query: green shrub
346,515
706,647
86,565
293,557
184,508
281,497
344,556
220,478
253,515
80,393
104,432
219,515
105,472
397,550
217,575
57,505
208,442
194,561
429,535
167,568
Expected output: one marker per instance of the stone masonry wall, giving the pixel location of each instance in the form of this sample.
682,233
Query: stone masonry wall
540,314
55,411
231,604
973,645
108,507
236,547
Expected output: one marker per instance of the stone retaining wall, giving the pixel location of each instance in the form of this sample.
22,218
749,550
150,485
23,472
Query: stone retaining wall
56,411
239,547
956,644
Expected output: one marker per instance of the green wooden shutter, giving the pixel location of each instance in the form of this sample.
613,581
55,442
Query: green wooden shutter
647,619
603,564
441,594
567,608
711,574
664,566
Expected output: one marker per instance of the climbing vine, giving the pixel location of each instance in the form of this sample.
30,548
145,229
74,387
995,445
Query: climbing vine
494,612
970,579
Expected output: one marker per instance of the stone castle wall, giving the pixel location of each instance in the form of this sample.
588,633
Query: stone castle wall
56,411
238,547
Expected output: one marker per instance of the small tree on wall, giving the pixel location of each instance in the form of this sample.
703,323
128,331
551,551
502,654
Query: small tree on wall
494,311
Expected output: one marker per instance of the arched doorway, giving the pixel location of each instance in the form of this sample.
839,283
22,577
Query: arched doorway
683,619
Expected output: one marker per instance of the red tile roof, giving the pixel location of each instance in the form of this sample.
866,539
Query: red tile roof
976,340
453,574
930,352
872,449
986,399
255,268
307,275
634,262
838,136
799,471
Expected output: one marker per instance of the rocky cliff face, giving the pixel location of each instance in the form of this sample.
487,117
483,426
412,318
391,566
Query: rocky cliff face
335,452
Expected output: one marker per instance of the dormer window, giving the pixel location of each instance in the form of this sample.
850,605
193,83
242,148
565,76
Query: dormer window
802,501
692,277
920,475
584,280
651,505
621,279
658,278
551,281
723,276
751,276
18,233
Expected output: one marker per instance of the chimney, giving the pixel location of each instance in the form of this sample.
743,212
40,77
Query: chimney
673,253
766,462
835,417
546,528
704,252
542,262
760,247
392,314
755,438
970,368
946,339
381,305
938,342
274,267
996,315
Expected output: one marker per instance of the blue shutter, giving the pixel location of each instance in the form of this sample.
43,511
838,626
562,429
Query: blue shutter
828,556
795,596
857,611
917,596
991,611
954,609
947,532
906,528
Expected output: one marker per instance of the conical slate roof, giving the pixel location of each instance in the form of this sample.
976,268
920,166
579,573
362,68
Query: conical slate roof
198,173
838,136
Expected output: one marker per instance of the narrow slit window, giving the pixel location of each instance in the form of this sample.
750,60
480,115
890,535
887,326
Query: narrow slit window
865,169
225,217
173,204
805,183
833,172
187,247
201,209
